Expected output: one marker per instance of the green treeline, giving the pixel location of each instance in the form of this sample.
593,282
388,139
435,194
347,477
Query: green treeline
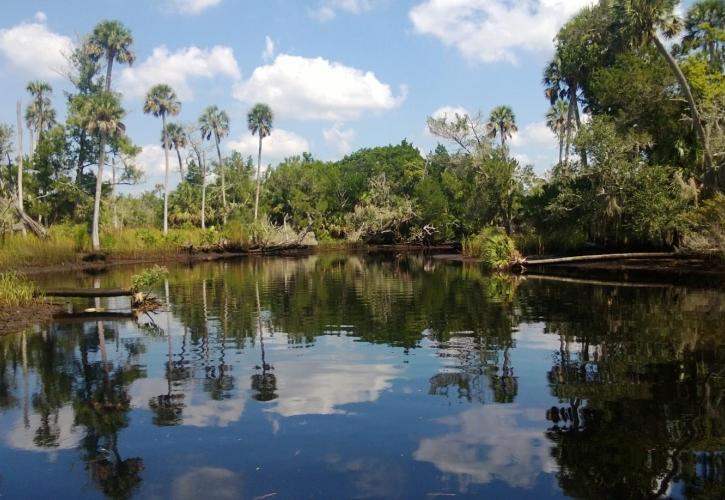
638,122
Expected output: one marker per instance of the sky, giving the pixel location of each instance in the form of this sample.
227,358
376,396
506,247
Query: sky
339,74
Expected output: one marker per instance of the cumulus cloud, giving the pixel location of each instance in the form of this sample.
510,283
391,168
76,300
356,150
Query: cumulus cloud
494,30
35,50
178,69
317,89
40,17
339,138
449,112
279,145
268,53
517,453
535,134
328,9
190,7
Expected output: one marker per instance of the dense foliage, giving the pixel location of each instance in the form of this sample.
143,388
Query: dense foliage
639,124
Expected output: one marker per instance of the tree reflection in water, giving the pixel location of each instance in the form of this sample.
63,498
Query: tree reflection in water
636,375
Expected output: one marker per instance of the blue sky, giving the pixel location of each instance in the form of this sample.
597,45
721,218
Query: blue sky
339,74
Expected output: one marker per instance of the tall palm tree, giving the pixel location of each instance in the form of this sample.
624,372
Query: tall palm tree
557,121
100,115
177,139
639,22
214,122
565,88
705,31
161,101
259,121
39,115
111,41
502,124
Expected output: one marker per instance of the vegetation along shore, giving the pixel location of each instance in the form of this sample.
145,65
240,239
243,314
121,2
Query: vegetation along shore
639,128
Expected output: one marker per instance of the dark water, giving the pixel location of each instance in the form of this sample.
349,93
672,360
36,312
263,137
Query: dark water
352,377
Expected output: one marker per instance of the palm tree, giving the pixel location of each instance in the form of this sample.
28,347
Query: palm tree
639,22
704,29
259,122
563,87
39,115
161,101
214,122
502,123
557,121
101,114
177,139
111,41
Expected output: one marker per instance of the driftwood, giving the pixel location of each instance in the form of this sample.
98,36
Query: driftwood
37,229
88,292
599,258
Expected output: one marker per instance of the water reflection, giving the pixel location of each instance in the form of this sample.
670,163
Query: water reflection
378,378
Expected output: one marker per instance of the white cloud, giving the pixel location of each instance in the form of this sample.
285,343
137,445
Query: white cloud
535,134
517,453
40,17
449,112
279,145
34,49
494,30
268,53
190,7
178,69
316,89
328,9
339,138
151,161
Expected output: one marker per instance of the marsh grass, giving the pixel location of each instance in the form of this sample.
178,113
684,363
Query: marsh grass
16,290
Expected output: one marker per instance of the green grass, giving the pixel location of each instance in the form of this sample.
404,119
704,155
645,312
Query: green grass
16,290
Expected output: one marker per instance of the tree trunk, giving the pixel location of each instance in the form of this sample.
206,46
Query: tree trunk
109,69
181,164
202,161
20,157
224,184
561,148
113,193
31,146
711,174
95,233
166,175
259,179
79,167
569,124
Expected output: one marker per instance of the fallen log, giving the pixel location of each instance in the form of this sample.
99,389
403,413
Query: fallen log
599,258
87,292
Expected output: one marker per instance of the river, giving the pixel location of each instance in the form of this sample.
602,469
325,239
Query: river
349,376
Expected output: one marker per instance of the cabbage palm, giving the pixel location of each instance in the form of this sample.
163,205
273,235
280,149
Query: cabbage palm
39,115
558,122
111,41
178,140
705,31
259,121
214,122
502,124
100,115
639,22
161,101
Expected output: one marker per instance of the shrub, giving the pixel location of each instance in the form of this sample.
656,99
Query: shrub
148,278
494,247
706,227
